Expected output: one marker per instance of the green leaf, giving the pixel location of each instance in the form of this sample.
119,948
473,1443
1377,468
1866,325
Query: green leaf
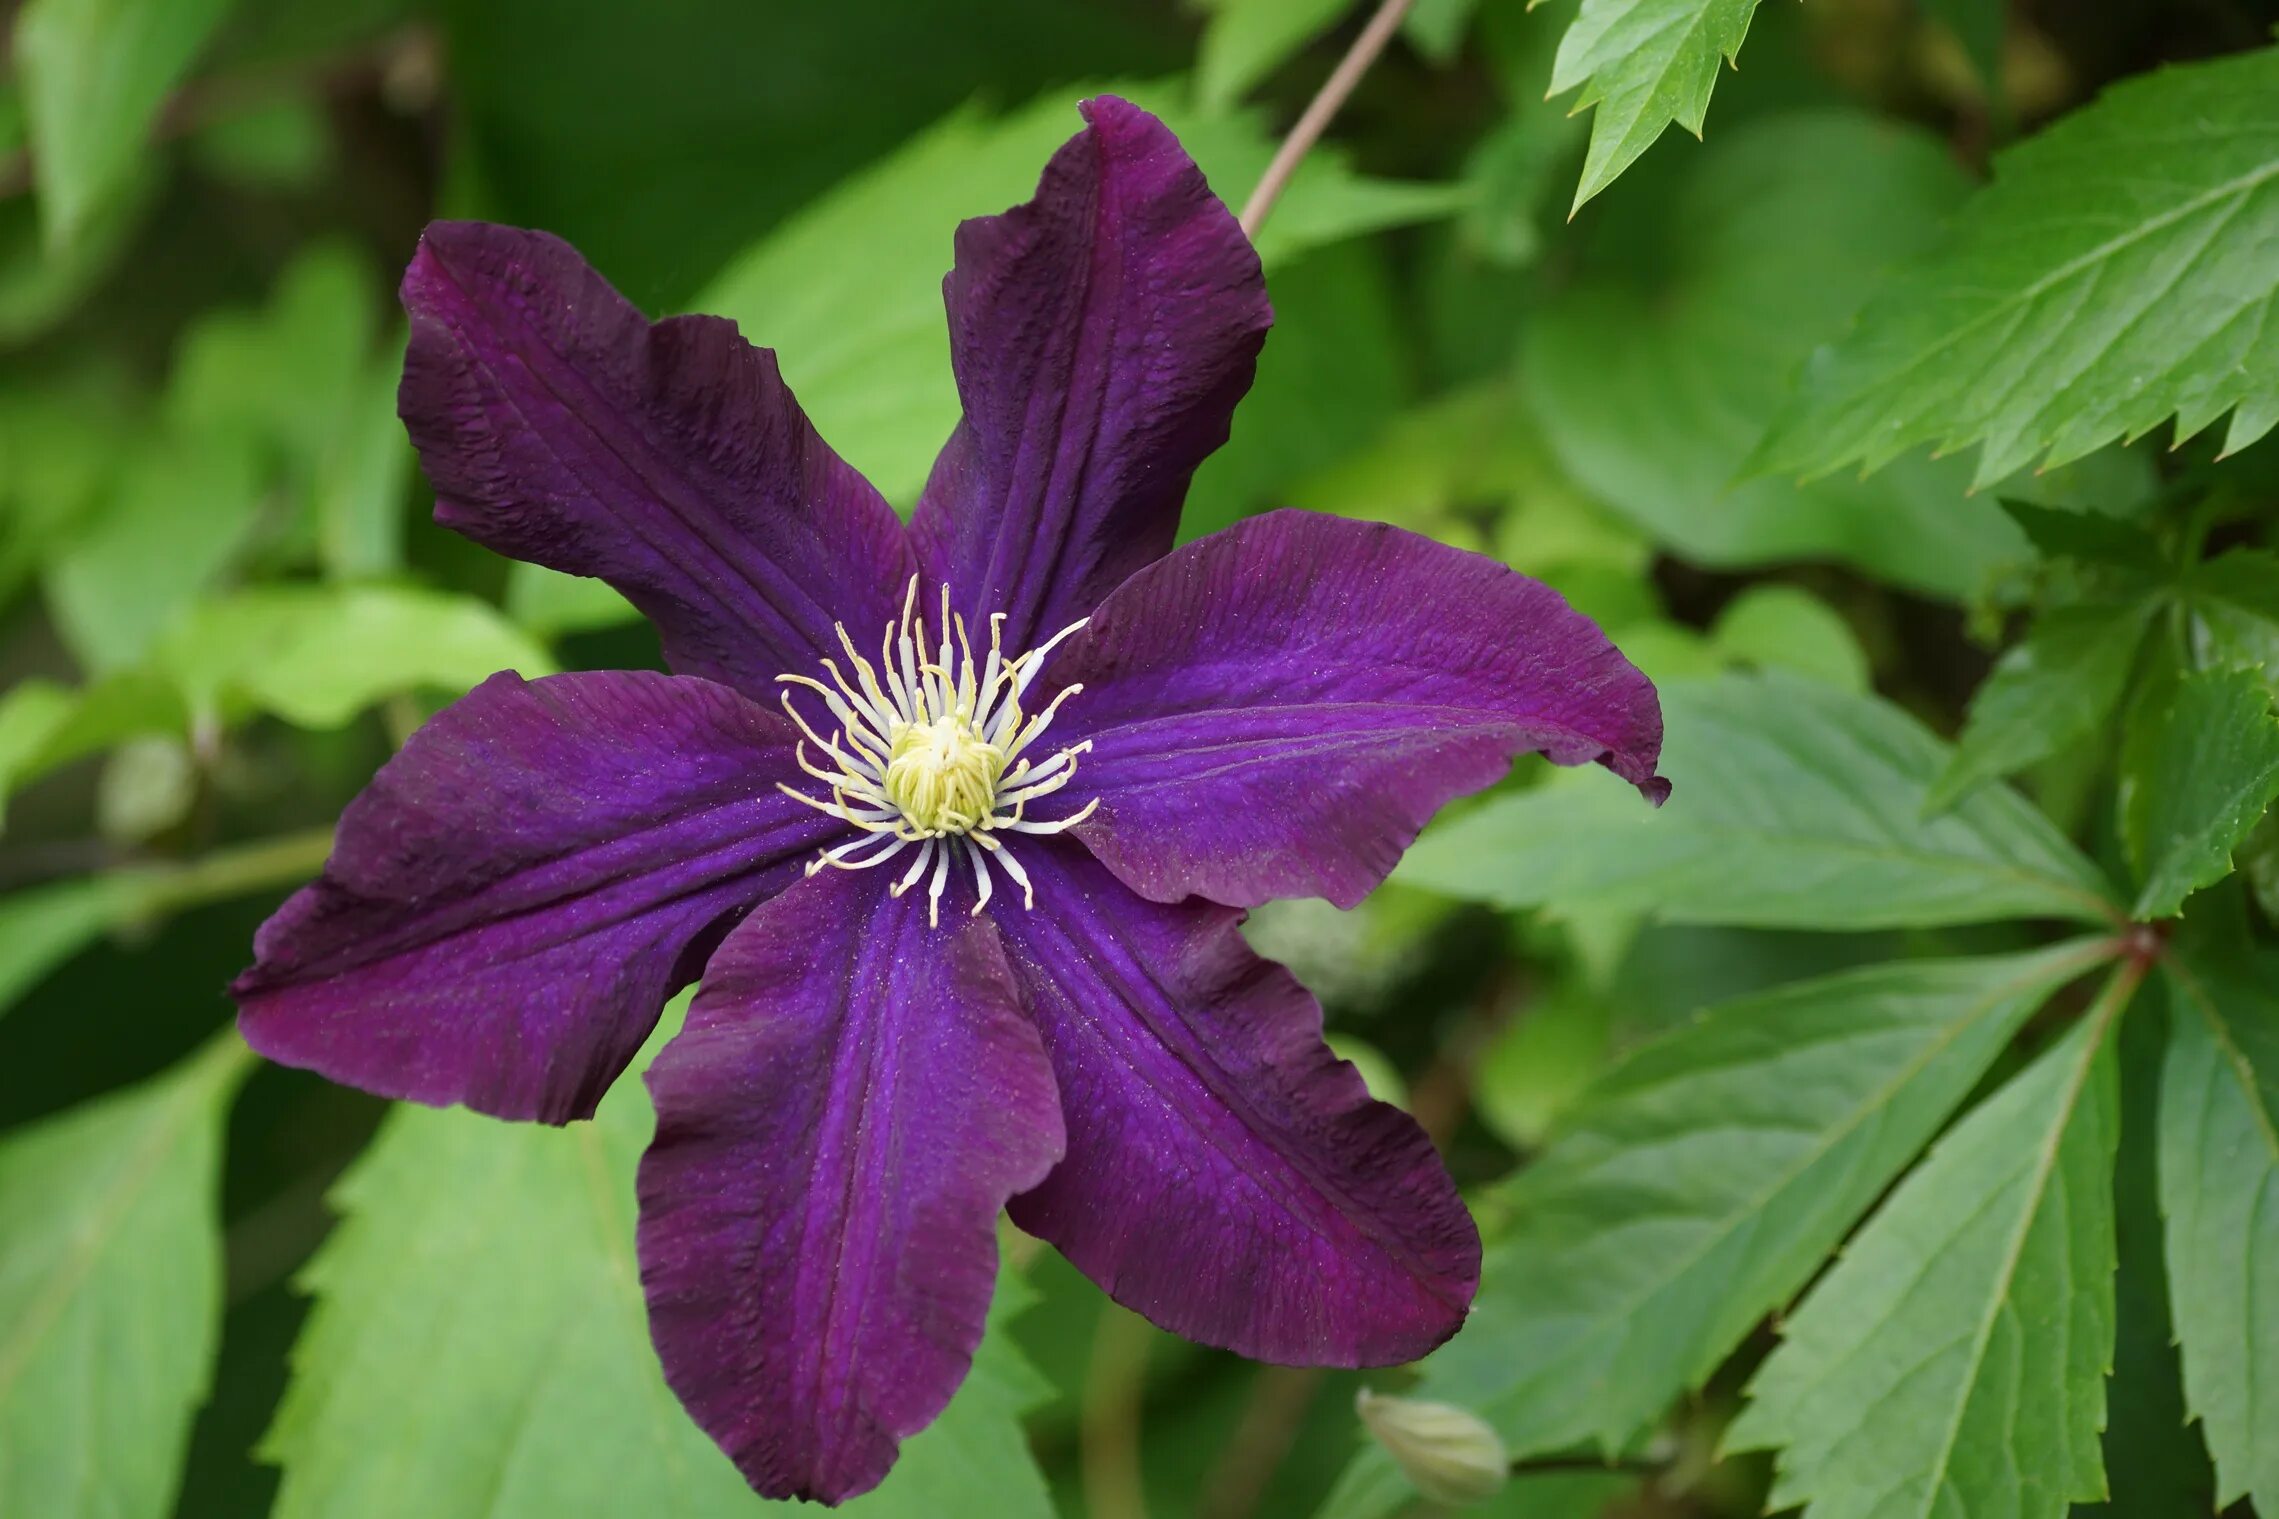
110,1293
2115,273
283,376
2092,537
1953,1360
849,291
480,1349
1246,40
174,523
2219,1174
42,928
94,75
41,285
2054,687
1644,64
361,476
1796,806
318,657
2155,1461
1701,1183
2234,603
1656,371
31,712
2195,780
1778,627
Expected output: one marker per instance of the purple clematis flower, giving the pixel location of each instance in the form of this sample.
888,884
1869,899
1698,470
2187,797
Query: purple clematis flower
956,823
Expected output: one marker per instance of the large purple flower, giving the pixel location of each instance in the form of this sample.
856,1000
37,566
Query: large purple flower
966,907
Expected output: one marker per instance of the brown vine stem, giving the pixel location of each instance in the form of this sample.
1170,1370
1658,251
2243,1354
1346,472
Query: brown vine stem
1319,112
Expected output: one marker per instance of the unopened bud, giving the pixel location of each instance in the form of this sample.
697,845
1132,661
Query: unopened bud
1448,1453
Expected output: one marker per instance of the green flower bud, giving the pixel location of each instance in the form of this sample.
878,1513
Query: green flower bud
1449,1453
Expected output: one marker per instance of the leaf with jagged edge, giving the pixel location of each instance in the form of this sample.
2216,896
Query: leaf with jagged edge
1644,64
1699,1184
1953,1361
2052,688
480,1349
2196,777
1797,805
111,1293
2117,272
2219,1187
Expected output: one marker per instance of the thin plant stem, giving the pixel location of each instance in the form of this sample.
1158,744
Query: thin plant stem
1319,112
285,860
1109,1436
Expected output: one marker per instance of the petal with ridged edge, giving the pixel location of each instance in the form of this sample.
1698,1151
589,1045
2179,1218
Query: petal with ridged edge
1227,1176
1102,334
511,901
560,426
854,1097
1275,710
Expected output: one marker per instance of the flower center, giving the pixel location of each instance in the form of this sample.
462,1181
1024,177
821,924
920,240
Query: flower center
933,752
943,775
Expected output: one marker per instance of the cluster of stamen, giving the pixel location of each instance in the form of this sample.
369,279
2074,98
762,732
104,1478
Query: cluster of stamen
931,753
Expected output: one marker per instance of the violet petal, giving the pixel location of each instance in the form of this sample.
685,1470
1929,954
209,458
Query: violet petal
1102,334
853,1099
560,426
1227,1176
513,898
1275,710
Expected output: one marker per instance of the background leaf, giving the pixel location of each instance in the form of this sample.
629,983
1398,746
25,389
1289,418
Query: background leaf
1658,369
480,1349
1954,1358
1699,1185
2219,1171
110,1238
2050,690
1796,805
2116,272
2196,777
94,74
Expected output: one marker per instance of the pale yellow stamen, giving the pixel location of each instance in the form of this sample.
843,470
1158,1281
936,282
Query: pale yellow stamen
932,752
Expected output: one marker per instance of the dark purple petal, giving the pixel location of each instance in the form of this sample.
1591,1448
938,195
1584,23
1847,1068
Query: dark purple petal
513,898
1227,1175
560,426
1102,334
852,1101
1275,710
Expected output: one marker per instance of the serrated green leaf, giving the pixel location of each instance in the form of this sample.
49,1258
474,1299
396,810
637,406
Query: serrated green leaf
2089,536
1644,64
2233,600
1953,1361
2196,777
317,657
2219,1176
849,290
1657,369
94,75
1246,40
110,1294
1699,1185
2116,273
2053,687
2155,1461
1796,806
480,1349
